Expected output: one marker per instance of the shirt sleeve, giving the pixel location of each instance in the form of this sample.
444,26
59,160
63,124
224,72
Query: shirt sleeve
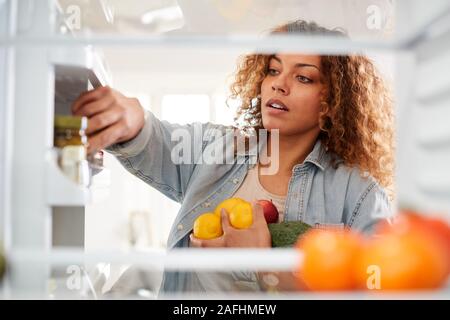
149,156
372,207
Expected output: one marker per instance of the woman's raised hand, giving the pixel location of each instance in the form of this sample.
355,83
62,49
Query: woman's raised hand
112,117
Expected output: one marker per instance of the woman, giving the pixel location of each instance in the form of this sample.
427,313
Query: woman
335,151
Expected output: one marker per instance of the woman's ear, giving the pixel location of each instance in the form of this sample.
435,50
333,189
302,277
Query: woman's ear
323,106
323,100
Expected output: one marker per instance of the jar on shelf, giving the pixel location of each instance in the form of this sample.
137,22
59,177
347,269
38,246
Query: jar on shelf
71,141
74,164
70,131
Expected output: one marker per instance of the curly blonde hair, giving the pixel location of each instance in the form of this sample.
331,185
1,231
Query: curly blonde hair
357,120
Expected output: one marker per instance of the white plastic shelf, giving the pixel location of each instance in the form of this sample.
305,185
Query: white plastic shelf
61,191
74,67
220,259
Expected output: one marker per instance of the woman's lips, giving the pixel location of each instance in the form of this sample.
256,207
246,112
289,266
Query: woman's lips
275,112
275,106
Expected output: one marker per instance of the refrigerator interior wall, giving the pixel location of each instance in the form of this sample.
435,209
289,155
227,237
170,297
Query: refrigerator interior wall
3,118
424,134
6,126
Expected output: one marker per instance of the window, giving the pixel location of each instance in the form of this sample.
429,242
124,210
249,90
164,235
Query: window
185,108
224,114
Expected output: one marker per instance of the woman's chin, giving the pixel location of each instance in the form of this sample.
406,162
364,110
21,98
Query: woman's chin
272,125
282,130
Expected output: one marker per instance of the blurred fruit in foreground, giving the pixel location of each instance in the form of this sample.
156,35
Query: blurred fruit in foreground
401,261
436,231
329,257
411,254
207,226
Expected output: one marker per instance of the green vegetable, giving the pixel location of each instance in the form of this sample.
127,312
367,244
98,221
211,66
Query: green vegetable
2,265
286,234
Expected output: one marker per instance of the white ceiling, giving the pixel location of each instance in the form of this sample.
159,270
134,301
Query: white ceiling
178,69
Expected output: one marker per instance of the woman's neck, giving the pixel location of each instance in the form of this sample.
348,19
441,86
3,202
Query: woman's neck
292,149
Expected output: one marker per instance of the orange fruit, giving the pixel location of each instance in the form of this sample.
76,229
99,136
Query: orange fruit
434,229
208,226
431,228
241,216
328,259
440,231
228,205
407,260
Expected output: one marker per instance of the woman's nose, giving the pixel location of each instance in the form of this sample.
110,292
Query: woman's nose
280,85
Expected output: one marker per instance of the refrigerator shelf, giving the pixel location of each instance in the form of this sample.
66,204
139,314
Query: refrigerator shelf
61,191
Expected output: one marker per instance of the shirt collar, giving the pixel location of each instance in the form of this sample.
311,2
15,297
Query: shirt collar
316,156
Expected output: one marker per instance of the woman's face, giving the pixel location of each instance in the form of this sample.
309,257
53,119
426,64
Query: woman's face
291,93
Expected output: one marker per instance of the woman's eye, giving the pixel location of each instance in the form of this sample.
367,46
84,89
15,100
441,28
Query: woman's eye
304,79
272,72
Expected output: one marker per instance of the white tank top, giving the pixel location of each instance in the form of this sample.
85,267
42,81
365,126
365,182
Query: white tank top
251,190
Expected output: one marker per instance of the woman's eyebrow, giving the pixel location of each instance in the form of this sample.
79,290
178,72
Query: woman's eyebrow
297,65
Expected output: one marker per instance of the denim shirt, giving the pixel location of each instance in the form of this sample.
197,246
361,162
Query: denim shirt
319,193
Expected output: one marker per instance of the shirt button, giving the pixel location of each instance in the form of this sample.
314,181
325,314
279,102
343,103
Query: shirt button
180,227
207,205
235,181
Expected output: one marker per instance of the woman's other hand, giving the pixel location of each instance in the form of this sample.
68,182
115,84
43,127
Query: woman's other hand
256,236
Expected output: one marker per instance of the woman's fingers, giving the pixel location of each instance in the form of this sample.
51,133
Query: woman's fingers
258,214
105,138
89,96
94,107
104,120
112,117
202,243
226,225
194,242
